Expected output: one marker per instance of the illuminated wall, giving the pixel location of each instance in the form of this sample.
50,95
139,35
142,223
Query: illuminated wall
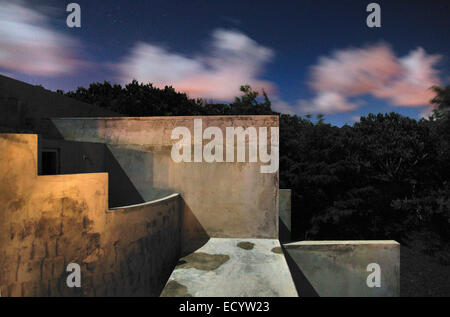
47,222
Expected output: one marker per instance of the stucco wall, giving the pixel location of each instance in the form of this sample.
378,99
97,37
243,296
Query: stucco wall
47,222
142,245
342,268
221,199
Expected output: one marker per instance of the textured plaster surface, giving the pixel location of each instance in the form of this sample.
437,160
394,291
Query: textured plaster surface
47,222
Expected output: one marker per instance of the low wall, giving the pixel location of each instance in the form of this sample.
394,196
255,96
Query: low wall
343,268
142,245
47,222
222,199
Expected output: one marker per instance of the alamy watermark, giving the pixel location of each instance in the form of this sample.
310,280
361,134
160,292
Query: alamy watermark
74,18
374,18
218,150
374,278
74,278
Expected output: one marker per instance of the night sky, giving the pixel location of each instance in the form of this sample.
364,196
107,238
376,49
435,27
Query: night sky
311,56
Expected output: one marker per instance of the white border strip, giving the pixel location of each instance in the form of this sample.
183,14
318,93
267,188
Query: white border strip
148,203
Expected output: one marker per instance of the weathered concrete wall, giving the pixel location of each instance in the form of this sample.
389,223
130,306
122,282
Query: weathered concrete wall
221,199
142,245
47,222
340,268
20,102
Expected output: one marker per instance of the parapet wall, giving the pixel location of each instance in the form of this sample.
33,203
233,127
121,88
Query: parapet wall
345,268
222,199
47,222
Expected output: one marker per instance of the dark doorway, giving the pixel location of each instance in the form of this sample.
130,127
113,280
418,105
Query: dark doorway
50,162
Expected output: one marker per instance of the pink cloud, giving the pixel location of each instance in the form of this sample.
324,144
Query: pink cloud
234,59
373,70
29,45
326,102
353,72
411,87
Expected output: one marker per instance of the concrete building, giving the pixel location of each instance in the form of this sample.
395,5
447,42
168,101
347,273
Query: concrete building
86,186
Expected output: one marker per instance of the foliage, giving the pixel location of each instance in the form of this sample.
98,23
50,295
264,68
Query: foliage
137,99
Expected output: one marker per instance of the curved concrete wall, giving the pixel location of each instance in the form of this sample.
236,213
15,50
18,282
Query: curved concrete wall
142,245
47,222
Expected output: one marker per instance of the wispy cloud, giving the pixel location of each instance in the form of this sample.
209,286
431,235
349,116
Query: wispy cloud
374,70
411,86
28,44
233,60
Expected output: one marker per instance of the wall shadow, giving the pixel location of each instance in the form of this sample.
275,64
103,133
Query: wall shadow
284,234
139,166
193,234
121,189
304,288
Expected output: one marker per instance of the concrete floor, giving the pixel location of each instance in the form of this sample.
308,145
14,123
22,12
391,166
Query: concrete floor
232,267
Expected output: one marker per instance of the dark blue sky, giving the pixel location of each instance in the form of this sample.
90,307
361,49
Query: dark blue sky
297,33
